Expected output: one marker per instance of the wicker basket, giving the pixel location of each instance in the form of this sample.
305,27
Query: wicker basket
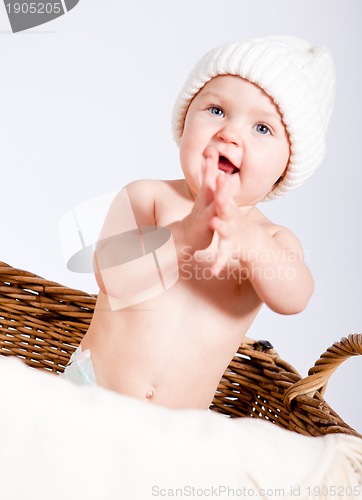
43,322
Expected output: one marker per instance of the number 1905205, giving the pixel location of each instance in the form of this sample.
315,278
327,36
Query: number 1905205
334,491
34,8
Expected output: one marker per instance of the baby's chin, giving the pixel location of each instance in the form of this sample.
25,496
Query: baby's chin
241,199
193,190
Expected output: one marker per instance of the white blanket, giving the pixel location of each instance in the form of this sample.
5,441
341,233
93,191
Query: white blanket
62,441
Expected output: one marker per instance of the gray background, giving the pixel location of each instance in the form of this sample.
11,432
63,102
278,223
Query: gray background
85,108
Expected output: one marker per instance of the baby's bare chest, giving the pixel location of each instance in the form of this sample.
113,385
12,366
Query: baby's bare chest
229,291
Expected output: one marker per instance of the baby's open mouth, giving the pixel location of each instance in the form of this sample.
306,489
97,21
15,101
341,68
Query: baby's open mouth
226,166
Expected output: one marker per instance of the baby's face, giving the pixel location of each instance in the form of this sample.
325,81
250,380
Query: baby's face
245,127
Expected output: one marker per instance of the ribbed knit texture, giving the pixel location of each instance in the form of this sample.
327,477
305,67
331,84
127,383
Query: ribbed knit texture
299,78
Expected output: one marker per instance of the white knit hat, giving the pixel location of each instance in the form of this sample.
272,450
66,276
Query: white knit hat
299,78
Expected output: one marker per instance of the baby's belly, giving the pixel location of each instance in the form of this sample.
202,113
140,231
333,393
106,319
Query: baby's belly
171,350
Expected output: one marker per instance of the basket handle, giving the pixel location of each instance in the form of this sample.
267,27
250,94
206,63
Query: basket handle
320,373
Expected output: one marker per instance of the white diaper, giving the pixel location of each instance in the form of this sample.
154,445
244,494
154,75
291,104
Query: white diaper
80,368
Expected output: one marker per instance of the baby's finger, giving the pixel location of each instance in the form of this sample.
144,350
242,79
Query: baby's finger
207,186
220,261
208,180
206,194
210,152
223,227
223,199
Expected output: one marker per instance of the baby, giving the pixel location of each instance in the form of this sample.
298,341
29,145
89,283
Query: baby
185,265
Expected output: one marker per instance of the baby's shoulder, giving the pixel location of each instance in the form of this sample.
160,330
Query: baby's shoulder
282,234
144,186
157,187
167,200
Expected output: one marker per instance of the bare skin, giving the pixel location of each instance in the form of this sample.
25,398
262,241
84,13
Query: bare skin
172,348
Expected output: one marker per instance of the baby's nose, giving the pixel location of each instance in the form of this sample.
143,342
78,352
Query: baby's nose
230,134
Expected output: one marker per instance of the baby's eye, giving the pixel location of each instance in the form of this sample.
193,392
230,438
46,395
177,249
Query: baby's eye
262,129
215,110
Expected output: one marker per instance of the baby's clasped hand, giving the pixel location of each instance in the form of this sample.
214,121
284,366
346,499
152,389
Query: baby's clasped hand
198,232
215,211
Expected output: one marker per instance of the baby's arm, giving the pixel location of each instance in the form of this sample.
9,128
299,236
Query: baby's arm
118,262
273,263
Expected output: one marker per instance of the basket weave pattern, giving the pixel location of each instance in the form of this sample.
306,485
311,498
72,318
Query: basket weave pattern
43,322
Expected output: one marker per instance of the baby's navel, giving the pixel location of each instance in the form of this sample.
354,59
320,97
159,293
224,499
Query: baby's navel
150,393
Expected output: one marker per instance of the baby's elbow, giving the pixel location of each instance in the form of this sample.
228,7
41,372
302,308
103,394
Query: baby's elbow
288,307
297,302
308,291
293,308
